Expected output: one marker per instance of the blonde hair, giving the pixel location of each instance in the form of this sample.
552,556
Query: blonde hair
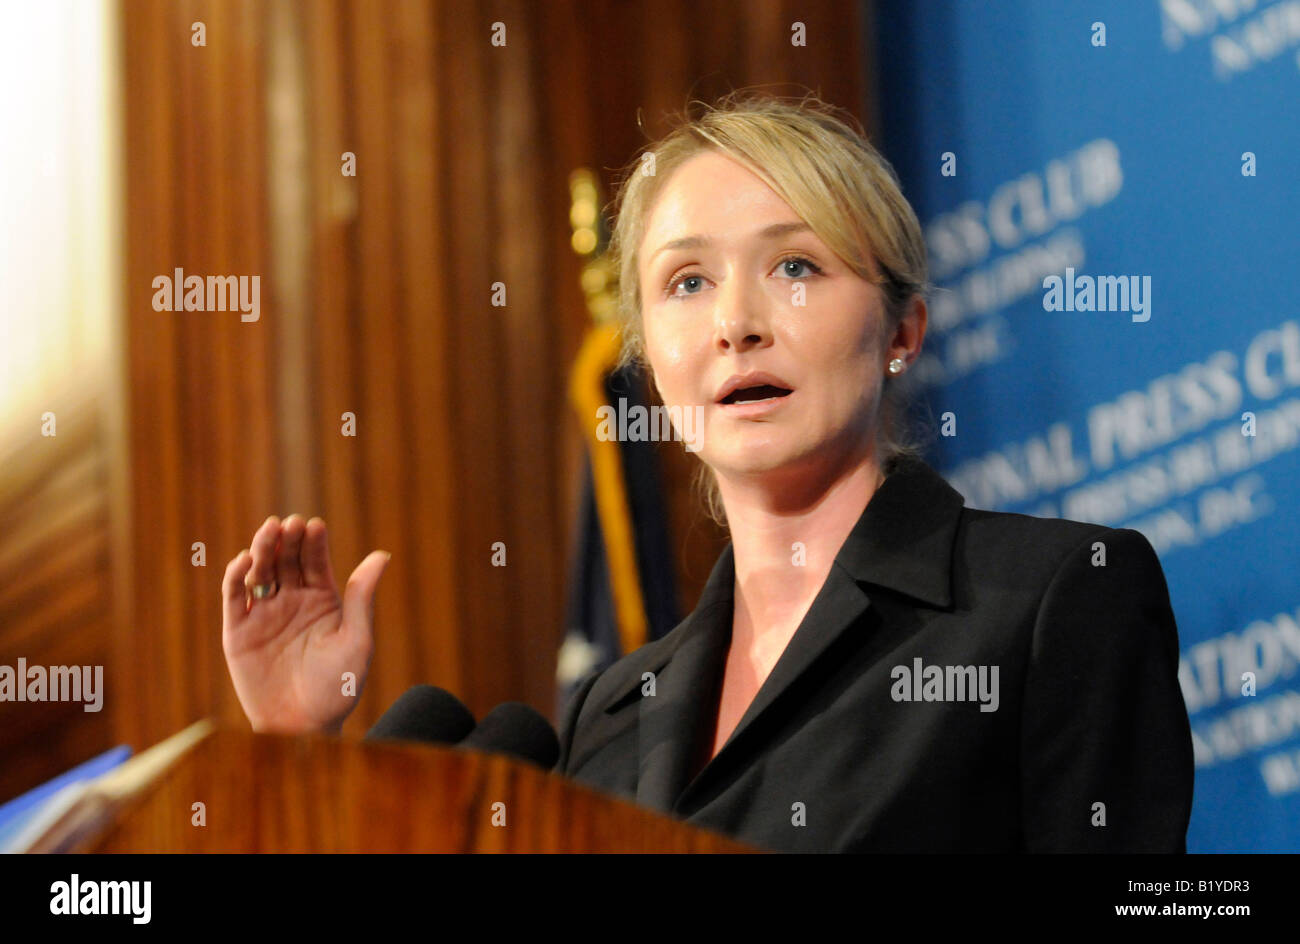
822,165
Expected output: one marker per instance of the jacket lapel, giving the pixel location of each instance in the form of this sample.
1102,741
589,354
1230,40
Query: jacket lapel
839,604
675,720
902,541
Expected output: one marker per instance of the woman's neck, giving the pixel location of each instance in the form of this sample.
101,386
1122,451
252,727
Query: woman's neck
784,542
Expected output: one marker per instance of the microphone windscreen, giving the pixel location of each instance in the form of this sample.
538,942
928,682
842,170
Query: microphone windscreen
519,731
424,713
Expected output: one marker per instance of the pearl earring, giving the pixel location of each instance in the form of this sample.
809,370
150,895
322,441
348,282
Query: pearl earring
896,366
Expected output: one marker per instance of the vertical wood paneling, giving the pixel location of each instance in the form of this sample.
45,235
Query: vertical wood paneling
335,204
223,497
535,392
156,464
55,588
425,247
383,413
194,252
288,287
571,125
468,66
199,409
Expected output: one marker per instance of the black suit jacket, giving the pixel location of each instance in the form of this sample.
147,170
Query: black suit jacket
1088,750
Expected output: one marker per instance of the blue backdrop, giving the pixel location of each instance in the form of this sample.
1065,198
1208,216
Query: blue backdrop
1157,139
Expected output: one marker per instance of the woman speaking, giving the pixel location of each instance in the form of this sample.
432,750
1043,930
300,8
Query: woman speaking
871,665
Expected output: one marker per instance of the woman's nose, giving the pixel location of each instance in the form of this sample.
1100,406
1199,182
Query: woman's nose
739,324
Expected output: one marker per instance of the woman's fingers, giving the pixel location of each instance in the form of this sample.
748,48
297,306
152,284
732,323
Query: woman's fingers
265,541
359,595
234,601
289,554
287,567
314,556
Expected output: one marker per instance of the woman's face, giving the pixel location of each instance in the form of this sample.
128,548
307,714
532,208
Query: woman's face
736,288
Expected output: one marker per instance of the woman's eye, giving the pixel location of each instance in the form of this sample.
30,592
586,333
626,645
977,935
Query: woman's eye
692,283
794,264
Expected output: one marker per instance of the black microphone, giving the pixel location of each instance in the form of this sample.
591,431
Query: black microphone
426,714
519,731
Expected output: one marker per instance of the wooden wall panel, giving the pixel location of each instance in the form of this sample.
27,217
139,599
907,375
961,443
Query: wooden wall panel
55,588
377,299
424,244
201,454
533,408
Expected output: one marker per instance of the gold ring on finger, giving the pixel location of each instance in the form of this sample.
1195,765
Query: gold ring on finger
263,591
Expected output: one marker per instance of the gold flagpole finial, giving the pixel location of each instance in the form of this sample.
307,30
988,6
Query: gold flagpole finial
599,280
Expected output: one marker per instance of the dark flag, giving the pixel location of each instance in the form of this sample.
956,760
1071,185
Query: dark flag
622,591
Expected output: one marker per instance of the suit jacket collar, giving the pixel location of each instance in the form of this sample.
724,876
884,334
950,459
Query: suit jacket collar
904,539
902,542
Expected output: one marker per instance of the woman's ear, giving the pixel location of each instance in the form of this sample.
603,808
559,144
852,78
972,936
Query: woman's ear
906,338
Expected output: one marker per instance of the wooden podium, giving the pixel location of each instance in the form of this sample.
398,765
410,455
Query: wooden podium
278,793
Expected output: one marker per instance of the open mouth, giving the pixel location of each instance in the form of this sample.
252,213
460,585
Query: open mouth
755,393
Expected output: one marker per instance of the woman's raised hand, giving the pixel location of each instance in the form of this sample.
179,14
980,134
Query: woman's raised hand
290,641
